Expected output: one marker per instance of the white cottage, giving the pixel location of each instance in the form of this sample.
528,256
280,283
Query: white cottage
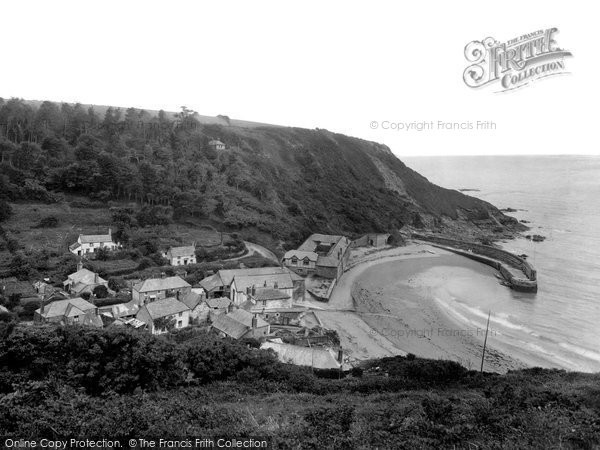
90,243
181,256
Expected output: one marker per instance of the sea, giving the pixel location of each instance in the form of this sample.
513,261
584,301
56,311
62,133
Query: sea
559,197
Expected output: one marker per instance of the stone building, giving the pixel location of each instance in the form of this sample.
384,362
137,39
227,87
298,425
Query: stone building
154,289
181,256
322,254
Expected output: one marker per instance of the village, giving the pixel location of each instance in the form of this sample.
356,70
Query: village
275,305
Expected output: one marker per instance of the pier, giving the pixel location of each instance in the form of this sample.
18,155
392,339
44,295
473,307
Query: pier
518,273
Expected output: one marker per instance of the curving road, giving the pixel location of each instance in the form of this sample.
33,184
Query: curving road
255,249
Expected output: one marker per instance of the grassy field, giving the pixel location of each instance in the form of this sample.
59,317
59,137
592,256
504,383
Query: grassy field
77,216
73,221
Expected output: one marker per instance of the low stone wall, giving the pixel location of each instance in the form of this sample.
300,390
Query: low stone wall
491,256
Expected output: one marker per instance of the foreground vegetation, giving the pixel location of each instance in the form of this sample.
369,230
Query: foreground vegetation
77,381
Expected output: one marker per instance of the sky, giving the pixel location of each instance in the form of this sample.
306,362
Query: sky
341,65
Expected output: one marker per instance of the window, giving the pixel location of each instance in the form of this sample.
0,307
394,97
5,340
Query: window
306,262
180,314
294,261
179,324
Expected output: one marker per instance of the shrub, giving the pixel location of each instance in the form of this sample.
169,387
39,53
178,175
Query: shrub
100,291
48,222
145,263
5,210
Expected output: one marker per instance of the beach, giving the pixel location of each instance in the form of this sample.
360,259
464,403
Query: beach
411,297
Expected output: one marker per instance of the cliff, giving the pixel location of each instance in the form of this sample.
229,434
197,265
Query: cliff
287,182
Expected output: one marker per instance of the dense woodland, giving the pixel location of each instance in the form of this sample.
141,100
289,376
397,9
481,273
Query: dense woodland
77,381
287,182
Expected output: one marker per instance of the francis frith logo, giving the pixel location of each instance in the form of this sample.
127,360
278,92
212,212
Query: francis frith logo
515,63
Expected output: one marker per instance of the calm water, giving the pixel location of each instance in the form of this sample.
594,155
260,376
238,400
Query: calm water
560,196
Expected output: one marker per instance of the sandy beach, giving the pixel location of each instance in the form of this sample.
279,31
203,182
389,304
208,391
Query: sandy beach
405,296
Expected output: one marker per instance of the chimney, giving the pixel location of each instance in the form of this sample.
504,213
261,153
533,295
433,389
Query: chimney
253,290
275,285
340,355
230,307
110,233
163,275
177,295
42,307
96,278
254,321
79,265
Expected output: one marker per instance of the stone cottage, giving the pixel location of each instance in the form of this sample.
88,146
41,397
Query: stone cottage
181,256
154,289
166,310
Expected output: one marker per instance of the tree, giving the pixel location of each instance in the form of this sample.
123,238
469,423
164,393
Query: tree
102,254
100,291
114,284
20,267
5,210
164,323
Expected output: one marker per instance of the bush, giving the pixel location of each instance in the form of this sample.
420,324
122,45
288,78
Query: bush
5,211
102,254
100,291
48,222
28,309
7,317
145,263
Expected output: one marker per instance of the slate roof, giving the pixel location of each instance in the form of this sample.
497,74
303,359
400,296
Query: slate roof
327,261
237,323
174,252
211,282
161,284
311,243
124,309
60,307
191,299
312,256
227,275
270,294
84,276
219,302
283,280
230,326
245,318
93,238
165,307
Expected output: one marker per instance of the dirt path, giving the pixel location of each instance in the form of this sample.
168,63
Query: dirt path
254,249
265,252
